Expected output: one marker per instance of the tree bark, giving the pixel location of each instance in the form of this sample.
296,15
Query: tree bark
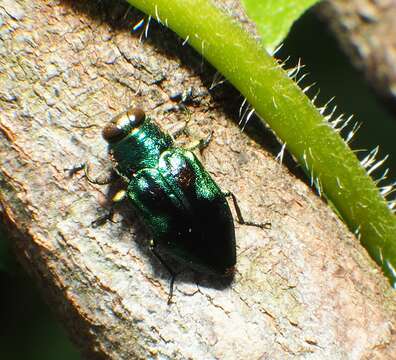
304,288
366,30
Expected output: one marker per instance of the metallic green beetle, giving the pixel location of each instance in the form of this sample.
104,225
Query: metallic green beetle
186,211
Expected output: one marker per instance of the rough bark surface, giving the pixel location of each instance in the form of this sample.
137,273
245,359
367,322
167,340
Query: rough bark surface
304,288
366,30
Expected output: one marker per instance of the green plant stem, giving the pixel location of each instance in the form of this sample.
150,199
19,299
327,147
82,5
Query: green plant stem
291,115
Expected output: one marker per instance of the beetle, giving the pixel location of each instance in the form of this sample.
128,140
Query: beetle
183,207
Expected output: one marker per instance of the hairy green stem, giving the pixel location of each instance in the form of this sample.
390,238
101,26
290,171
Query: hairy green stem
291,115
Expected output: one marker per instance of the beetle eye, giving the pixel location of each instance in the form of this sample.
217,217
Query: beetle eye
111,133
122,124
135,116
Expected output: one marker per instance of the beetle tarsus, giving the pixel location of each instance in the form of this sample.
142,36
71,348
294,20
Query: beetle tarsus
75,169
241,220
103,219
171,284
203,143
172,273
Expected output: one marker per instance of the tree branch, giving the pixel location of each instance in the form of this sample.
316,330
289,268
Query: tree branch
366,31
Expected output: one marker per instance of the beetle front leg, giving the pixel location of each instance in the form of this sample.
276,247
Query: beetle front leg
200,144
86,168
167,267
119,196
98,181
240,218
175,133
197,144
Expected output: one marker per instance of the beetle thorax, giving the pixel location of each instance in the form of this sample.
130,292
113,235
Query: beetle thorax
140,149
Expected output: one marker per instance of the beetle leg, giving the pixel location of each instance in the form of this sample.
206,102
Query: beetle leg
75,169
240,218
104,181
200,144
119,196
167,267
103,219
85,166
178,131
195,144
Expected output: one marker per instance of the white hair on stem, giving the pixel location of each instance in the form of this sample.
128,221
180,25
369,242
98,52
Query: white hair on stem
138,25
273,52
281,153
218,79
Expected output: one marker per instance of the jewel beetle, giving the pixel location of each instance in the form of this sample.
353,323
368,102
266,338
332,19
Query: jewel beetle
183,207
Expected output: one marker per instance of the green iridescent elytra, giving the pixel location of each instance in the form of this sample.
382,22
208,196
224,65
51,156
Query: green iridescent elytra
180,203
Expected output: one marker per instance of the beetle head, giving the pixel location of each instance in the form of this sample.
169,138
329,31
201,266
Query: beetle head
123,124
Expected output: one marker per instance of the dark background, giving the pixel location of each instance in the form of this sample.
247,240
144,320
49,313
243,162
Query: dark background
29,330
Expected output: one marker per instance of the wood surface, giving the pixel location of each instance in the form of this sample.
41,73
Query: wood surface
366,31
